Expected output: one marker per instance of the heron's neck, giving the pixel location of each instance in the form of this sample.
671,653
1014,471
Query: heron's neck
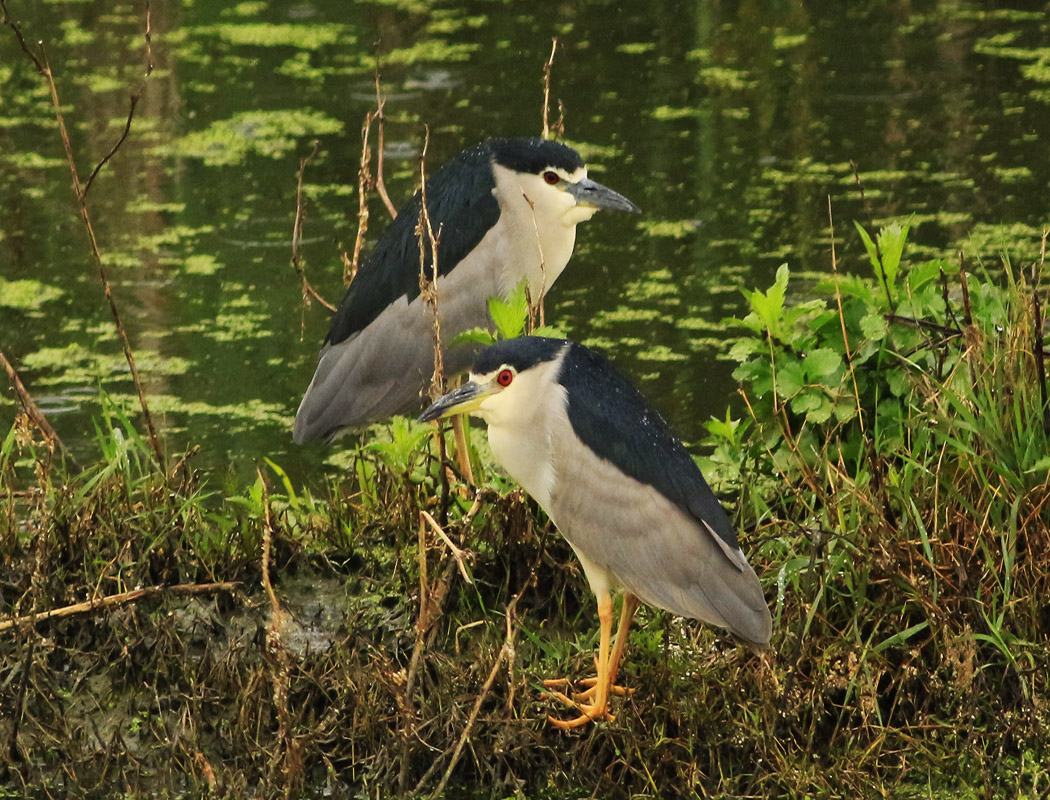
540,226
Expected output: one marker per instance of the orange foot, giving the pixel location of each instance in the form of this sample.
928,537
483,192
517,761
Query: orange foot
589,703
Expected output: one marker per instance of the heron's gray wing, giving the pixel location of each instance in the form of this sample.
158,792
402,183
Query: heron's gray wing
386,368
460,203
650,547
632,501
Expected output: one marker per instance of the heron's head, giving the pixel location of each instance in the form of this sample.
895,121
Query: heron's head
553,176
509,383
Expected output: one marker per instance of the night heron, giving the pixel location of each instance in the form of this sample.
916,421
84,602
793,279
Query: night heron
619,486
504,210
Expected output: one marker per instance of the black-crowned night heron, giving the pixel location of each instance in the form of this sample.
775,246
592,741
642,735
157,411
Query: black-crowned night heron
619,486
505,210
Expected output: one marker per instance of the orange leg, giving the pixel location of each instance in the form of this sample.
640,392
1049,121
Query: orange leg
630,605
599,708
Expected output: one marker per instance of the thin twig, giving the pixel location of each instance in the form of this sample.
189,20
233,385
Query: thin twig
1037,344
363,181
537,310
842,318
21,39
114,600
458,553
547,88
291,763
36,416
943,330
27,663
422,624
506,654
380,183
297,233
135,97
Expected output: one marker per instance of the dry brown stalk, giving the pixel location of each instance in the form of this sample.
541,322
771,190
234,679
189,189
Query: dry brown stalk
114,600
291,763
458,553
842,318
536,310
1037,334
135,97
380,183
364,179
547,95
297,233
422,624
32,410
44,68
505,655
428,284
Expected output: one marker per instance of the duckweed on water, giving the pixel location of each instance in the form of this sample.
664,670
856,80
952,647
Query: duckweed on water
265,133
301,36
26,294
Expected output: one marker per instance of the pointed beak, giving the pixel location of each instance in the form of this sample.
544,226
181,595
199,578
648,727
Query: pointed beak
464,400
593,194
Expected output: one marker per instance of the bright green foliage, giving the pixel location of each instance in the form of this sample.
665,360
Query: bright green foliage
895,464
512,317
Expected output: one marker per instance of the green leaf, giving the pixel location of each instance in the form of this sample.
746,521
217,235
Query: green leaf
891,244
869,245
822,412
550,331
769,306
807,400
821,362
723,429
510,315
790,379
874,326
473,336
1042,465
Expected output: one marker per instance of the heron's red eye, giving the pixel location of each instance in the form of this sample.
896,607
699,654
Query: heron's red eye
505,377
551,177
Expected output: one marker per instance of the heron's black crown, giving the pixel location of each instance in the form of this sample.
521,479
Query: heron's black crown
522,353
533,155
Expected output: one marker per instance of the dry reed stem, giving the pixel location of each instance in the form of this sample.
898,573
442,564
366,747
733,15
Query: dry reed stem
842,317
44,68
292,762
458,553
422,625
115,600
1037,334
380,182
364,179
558,127
135,97
537,310
32,410
297,233
460,428
505,655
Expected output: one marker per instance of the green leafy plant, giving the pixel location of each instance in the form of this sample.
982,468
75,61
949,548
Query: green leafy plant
511,317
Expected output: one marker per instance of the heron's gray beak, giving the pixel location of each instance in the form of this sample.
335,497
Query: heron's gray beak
463,400
593,194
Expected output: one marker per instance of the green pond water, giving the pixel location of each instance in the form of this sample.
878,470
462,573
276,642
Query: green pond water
731,124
